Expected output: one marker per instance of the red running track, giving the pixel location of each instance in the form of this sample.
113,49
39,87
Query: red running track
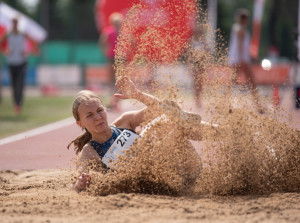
43,151
49,150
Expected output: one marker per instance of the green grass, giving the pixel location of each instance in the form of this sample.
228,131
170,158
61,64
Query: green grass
37,111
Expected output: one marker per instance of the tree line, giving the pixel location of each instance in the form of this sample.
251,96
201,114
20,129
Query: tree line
74,20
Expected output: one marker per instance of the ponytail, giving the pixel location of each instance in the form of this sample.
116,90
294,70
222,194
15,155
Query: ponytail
80,141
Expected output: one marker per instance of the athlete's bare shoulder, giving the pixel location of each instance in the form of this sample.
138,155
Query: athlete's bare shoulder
88,153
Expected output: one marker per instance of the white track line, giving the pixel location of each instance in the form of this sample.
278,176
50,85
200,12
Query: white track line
38,131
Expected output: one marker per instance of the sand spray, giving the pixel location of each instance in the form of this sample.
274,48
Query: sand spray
248,153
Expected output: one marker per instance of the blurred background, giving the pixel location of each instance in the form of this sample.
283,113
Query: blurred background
71,58
73,34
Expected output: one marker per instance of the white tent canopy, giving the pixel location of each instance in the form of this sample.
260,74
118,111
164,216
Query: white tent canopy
26,25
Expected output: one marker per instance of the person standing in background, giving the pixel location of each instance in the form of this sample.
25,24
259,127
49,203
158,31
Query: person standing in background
107,42
239,54
17,62
199,49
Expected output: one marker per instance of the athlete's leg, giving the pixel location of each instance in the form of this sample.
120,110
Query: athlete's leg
191,124
173,158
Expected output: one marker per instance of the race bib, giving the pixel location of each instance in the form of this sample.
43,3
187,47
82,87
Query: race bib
122,143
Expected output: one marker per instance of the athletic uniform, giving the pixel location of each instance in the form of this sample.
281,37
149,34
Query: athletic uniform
234,56
120,140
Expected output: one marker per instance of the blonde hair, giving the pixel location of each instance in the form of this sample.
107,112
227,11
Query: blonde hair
82,97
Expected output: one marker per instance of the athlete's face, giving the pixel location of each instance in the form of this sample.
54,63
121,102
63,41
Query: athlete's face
93,117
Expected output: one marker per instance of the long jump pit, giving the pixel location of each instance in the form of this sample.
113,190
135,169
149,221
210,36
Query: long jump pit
37,171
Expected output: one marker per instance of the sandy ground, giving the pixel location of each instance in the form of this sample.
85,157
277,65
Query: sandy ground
39,193
42,196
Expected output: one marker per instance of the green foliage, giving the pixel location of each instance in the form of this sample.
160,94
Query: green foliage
18,5
226,12
74,20
69,19
278,24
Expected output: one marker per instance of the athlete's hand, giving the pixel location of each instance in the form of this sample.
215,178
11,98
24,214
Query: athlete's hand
82,182
126,87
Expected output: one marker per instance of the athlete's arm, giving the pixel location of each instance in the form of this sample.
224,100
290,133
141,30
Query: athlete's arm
133,119
85,157
35,48
130,91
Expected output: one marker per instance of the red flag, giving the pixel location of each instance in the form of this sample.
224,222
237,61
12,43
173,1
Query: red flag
157,29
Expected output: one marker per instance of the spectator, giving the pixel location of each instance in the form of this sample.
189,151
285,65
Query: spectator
239,51
198,54
107,42
17,62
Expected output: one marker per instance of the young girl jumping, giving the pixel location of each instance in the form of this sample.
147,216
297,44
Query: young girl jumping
103,142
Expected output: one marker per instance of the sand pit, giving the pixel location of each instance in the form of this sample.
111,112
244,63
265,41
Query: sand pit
42,196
